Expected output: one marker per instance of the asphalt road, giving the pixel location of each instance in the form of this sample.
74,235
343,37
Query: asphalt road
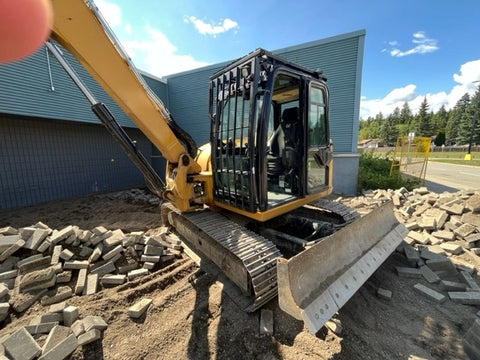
442,177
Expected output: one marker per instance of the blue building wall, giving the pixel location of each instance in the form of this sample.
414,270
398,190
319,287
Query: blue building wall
43,160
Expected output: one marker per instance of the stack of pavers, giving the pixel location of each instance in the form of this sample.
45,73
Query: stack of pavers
65,333
50,266
442,248
440,226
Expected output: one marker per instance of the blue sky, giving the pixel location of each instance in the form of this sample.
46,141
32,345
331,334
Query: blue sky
413,49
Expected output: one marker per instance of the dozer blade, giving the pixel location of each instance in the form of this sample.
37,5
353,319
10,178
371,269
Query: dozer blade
315,284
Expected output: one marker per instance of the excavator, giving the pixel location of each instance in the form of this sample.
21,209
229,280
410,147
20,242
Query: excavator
252,200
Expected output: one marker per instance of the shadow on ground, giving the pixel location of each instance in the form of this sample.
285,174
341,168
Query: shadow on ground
439,188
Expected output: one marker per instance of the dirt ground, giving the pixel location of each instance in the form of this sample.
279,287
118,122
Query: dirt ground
193,318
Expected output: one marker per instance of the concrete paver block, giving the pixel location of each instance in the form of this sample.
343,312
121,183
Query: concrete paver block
91,284
11,249
21,345
153,250
75,264
89,336
66,254
39,279
64,277
104,269
419,237
467,298
150,258
452,286
8,230
384,294
8,274
473,203
62,349
8,240
411,254
58,236
97,252
60,294
58,307
55,336
115,239
429,275
3,290
70,315
32,263
430,293
266,322
452,248
133,274
22,302
442,265
94,322
38,236
43,328
78,328
427,223
113,279
408,272
139,308
444,235
112,253
469,280
81,281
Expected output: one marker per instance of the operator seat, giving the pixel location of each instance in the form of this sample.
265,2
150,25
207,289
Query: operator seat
283,143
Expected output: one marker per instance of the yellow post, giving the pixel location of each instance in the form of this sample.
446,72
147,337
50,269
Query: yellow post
468,157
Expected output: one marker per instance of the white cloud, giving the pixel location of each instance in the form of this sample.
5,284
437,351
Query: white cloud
209,29
111,12
469,72
128,29
159,55
154,53
423,45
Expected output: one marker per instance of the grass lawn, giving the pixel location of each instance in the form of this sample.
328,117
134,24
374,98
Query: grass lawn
445,157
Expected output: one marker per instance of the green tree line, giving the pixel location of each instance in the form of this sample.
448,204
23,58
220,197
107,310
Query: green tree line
448,127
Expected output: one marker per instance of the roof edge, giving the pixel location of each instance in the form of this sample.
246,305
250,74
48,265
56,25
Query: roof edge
349,35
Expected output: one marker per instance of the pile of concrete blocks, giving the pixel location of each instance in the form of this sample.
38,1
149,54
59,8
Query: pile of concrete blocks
440,226
50,266
65,332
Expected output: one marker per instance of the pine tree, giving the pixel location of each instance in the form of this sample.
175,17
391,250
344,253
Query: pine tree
405,114
424,128
439,120
464,117
388,131
475,111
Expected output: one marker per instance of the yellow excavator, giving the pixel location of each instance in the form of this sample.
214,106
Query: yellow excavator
252,200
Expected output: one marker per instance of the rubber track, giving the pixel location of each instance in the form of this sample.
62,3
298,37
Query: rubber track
348,214
258,254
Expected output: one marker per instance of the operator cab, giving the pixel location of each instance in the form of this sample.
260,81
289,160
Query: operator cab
269,133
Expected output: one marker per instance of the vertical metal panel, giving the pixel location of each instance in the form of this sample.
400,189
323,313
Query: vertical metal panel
39,87
188,101
43,160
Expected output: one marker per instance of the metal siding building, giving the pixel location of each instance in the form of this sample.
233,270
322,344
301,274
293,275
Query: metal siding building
53,147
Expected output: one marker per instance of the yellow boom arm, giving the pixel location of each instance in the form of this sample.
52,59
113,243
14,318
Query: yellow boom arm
79,28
